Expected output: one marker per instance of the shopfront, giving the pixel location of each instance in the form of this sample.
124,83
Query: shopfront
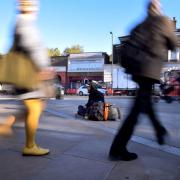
84,67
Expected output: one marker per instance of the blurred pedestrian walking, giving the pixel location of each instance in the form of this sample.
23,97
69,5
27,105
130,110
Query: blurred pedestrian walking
149,39
27,41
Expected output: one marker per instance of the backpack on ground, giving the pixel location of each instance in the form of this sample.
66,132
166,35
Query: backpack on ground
81,110
114,113
101,111
96,111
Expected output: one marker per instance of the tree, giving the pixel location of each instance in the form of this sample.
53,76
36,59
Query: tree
54,52
75,49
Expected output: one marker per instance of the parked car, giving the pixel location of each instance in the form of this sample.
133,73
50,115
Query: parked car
83,91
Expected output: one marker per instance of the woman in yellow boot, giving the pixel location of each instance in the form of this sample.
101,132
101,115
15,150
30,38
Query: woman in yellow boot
34,108
27,40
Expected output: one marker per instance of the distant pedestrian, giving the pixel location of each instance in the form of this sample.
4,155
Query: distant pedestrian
150,37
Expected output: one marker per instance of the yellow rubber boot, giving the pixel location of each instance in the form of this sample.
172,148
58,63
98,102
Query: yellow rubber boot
6,126
34,108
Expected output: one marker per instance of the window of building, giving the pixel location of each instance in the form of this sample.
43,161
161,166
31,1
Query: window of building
173,55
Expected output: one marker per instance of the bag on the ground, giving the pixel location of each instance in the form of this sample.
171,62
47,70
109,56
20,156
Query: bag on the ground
106,111
101,111
19,70
81,110
96,111
114,113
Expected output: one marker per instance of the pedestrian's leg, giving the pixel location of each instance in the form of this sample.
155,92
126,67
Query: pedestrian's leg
159,128
6,126
149,110
34,108
118,148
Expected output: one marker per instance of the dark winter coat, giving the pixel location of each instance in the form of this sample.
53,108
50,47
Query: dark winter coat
95,96
154,35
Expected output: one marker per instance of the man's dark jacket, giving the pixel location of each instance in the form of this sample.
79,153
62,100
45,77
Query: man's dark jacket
95,96
152,38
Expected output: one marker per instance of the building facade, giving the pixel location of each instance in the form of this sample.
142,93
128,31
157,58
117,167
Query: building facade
59,63
77,69
84,67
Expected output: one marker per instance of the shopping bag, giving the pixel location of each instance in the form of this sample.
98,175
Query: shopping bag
17,69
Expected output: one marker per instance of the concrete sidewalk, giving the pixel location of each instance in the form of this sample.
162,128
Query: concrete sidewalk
80,152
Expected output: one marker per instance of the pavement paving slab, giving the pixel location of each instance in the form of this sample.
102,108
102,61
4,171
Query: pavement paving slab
82,157
79,151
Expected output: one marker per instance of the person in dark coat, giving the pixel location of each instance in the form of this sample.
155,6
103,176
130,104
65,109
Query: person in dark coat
151,36
94,94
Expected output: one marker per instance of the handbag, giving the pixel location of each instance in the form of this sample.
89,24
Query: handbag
17,69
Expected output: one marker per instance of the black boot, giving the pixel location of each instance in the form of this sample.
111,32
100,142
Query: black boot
123,155
161,136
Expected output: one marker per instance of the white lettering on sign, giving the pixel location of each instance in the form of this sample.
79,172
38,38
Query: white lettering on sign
86,65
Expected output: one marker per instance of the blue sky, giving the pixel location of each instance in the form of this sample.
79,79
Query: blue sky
64,23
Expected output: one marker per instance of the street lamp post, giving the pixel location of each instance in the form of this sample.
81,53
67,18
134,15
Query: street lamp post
112,60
